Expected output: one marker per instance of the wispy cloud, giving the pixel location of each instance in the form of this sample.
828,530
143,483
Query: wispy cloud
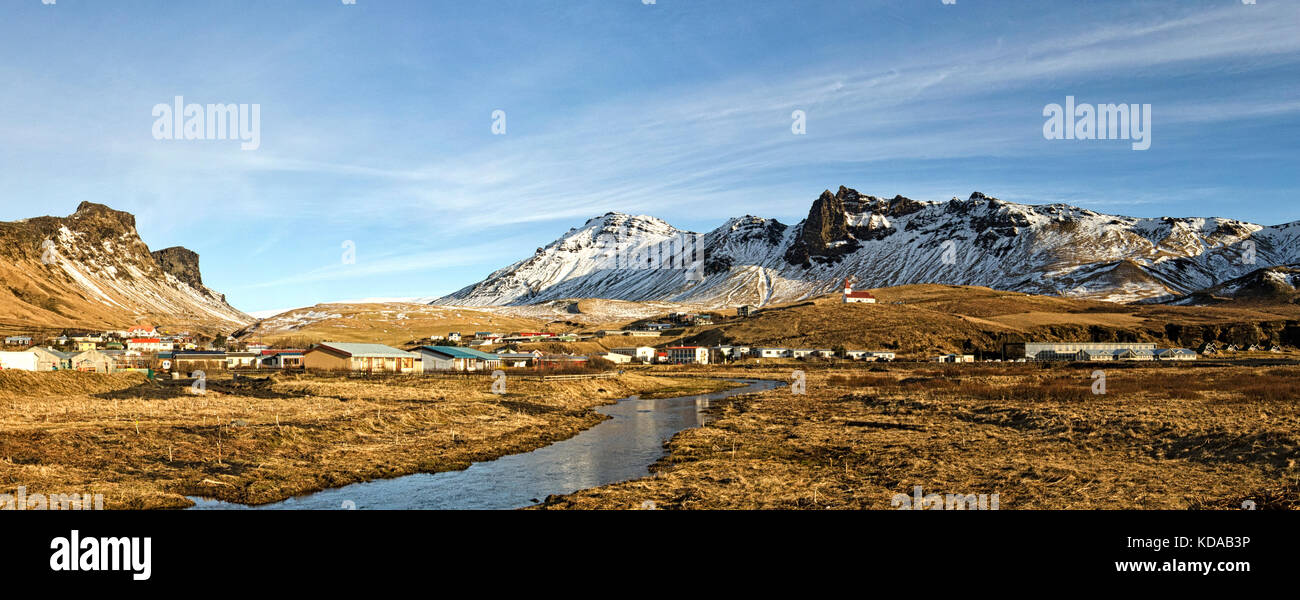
376,123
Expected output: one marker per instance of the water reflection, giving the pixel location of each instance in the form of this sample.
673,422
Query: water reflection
617,449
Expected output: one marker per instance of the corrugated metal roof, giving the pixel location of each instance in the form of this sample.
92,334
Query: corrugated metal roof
458,352
56,353
366,350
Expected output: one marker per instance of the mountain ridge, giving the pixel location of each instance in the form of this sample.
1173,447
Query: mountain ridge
1053,249
90,269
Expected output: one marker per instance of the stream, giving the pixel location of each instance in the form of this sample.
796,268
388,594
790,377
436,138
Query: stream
617,449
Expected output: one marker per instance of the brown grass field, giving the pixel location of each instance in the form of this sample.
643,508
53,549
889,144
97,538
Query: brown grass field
920,321
145,445
1190,436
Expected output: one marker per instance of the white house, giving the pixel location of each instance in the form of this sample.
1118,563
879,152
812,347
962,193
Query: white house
241,360
880,356
518,360
1095,355
140,331
1176,354
1139,355
955,358
616,358
18,340
690,355
645,354
730,352
801,352
770,352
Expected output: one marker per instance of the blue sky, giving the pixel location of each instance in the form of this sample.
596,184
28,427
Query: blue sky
376,120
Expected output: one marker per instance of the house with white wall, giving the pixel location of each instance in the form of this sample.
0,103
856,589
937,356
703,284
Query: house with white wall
644,354
688,355
18,361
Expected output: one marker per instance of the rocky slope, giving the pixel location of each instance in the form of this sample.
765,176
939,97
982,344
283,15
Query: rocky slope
1051,249
92,270
1272,285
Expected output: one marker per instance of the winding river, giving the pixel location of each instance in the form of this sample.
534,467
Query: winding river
617,449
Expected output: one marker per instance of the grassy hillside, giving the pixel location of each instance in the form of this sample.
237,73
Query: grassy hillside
925,319
914,320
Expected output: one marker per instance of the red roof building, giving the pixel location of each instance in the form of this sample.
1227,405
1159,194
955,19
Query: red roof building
851,296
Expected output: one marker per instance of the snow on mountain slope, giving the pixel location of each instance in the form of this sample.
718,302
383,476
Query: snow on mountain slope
91,269
1041,249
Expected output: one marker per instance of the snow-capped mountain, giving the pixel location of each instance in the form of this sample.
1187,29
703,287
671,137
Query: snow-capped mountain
1271,284
91,269
1041,249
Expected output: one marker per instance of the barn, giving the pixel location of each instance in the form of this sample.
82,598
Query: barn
48,359
93,361
361,358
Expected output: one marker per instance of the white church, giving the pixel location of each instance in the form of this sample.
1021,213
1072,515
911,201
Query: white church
852,296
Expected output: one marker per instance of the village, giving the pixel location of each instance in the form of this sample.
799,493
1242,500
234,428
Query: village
157,352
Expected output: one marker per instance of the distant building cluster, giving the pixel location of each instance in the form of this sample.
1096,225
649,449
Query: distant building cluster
1097,351
138,348
147,349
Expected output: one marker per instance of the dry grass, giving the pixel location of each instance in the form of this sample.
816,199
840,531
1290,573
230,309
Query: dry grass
919,321
1162,437
146,445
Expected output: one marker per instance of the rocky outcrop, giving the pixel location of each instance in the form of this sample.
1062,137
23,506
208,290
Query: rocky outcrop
92,270
181,262
824,236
